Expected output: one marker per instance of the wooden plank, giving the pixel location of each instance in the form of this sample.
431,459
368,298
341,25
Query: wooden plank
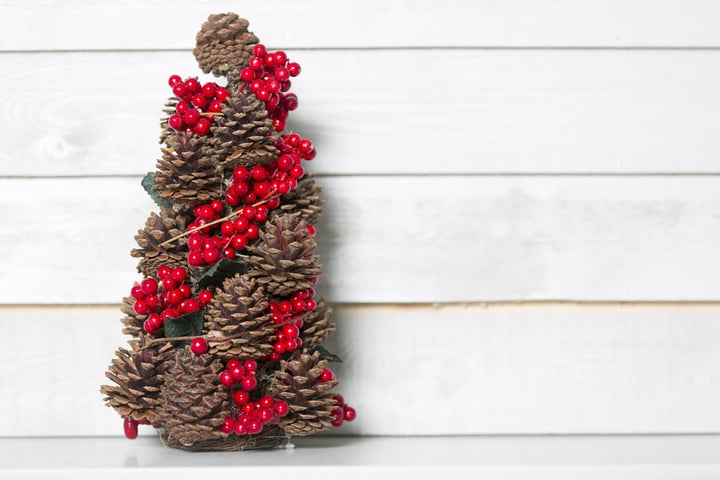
422,370
138,24
530,111
404,239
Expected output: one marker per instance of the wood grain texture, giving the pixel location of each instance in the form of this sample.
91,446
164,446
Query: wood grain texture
390,112
404,239
421,370
89,24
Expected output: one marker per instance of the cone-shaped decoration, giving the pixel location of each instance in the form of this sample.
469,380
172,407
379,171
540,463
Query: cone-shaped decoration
243,134
238,321
193,403
304,201
138,375
185,174
317,325
158,229
311,403
223,43
284,261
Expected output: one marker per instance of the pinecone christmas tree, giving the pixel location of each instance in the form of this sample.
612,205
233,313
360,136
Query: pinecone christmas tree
226,350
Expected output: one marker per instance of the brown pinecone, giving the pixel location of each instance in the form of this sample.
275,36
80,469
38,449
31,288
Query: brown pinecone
138,374
193,403
132,321
243,134
158,229
238,321
186,175
283,260
317,326
311,404
304,201
223,42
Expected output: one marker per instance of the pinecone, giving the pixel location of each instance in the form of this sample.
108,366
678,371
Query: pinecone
311,405
158,229
193,402
238,320
243,134
132,321
317,326
283,261
166,130
223,42
138,374
185,175
304,201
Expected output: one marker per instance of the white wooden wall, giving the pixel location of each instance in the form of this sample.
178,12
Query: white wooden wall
522,229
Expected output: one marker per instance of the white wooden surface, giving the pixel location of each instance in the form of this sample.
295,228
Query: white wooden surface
506,458
523,212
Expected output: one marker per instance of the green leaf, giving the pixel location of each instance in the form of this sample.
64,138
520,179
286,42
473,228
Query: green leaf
189,325
216,275
148,182
330,357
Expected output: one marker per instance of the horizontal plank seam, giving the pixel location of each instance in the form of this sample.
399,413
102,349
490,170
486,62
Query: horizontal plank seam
489,304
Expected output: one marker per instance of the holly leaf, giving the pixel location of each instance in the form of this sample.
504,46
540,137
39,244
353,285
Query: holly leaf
217,274
324,354
148,182
189,325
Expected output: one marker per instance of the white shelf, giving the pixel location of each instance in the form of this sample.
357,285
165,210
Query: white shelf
509,457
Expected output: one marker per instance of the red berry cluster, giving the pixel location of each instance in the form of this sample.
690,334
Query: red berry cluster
198,104
170,297
287,315
252,415
343,412
268,77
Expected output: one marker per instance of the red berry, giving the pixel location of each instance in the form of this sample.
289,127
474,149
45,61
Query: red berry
249,212
285,162
163,271
149,286
189,306
310,305
241,428
261,213
326,375
217,206
185,290
241,224
179,274
237,372
174,79
282,74
227,228
298,305
205,296
153,302
264,414
261,188
310,155
195,259
311,230
169,283
279,58
247,75
210,256
199,100
192,85
196,242
239,241
228,425
255,426
141,307
296,171
250,365
290,102
202,126
349,413
248,382
291,344
286,306
155,321
209,89
241,174
293,69
339,399
205,212
281,408
259,50
226,378
290,331
248,407
198,346
130,427
175,296
241,397
339,416
222,93
191,117
279,348
136,292
179,89
148,327
266,401
215,106
176,121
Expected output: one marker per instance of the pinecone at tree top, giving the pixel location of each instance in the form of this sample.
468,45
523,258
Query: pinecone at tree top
138,375
304,200
243,134
185,175
283,261
158,229
311,404
223,43
238,322
317,326
193,402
